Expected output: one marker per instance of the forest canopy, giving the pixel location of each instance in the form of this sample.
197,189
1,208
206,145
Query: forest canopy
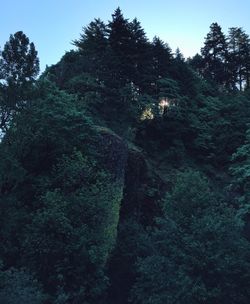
124,170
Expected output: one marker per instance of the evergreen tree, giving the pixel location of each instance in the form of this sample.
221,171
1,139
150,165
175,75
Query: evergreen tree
19,62
161,56
92,45
130,48
19,67
139,54
93,38
214,55
120,43
184,75
119,33
238,57
196,63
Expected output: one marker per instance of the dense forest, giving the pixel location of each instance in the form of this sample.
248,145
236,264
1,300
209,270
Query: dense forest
125,170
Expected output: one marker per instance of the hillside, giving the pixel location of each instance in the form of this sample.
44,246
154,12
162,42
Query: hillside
124,170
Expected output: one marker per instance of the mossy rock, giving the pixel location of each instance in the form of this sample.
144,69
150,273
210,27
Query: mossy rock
113,151
142,189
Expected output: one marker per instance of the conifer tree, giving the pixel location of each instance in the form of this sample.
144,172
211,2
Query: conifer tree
161,54
214,55
121,46
119,33
138,52
19,62
93,38
19,66
239,57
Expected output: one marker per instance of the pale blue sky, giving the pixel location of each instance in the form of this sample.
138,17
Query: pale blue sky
53,24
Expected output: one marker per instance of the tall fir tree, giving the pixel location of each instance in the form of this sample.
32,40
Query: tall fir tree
120,43
19,66
93,37
161,56
214,55
19,63
93,48
138,53
238,57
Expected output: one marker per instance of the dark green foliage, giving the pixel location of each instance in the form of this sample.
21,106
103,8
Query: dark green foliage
197,250
240,172
93,38
131,243
197,63
19,67
161,55
18,286
214,55
64,226
220,124
185,76
225,59
238,58
19,62
124,170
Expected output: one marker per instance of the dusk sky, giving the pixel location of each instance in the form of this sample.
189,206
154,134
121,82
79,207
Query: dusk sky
53,24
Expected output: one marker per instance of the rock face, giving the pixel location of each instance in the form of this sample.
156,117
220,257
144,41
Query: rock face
135,183
142,188
112,155
113,151
136,188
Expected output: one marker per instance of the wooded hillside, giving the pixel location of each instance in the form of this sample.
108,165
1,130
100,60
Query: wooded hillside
124,170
